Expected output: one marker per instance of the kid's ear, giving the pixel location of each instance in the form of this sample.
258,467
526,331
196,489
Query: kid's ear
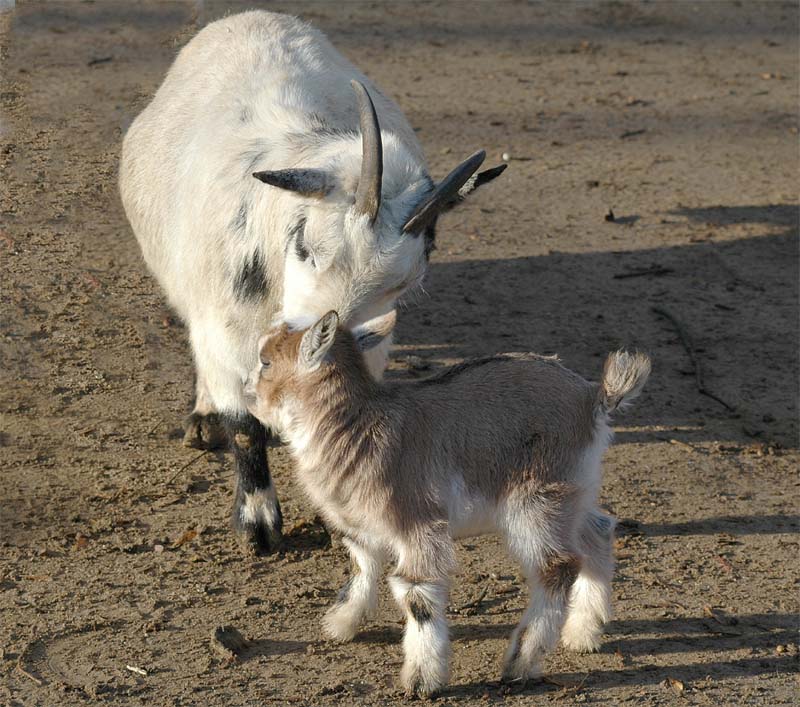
317,341
369,334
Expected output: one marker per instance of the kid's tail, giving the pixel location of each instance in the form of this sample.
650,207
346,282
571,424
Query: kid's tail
624,376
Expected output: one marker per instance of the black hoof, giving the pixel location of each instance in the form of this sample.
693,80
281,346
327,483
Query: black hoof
258,537
260,540
204,431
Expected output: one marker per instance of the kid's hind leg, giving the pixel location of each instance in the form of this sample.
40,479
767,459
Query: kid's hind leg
426,643
590,598
540,535
537,634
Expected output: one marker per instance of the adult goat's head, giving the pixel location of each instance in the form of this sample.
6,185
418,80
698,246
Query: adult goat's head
363,217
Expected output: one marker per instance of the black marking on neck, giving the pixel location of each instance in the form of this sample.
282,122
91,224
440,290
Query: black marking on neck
251,280
369,340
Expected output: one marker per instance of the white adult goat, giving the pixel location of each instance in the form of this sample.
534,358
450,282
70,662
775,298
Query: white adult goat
346,222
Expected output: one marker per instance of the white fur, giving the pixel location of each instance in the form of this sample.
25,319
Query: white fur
589,611
247,93
468,515
535,635
590,596
343,619
426,645
259,506
591,462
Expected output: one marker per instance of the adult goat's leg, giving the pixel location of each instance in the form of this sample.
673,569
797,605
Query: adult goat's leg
256,511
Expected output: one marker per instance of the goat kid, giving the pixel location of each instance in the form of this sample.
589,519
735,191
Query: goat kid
510,443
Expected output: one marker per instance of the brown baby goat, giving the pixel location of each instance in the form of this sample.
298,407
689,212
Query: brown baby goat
510,443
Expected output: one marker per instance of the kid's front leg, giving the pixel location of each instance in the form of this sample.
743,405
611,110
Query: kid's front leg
358,597
426,643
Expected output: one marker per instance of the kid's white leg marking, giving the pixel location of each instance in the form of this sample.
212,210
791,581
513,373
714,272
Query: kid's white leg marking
589,611
590,598
358,598
426,643
540,627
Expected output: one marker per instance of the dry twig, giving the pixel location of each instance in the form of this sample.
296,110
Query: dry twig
24,672
475,603
186,466
654,270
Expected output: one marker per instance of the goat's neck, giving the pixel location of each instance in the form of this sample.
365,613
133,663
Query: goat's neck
327,426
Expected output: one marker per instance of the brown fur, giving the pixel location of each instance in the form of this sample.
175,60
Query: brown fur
559,574
387,450
509,443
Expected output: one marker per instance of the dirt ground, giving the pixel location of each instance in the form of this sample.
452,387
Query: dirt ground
115,550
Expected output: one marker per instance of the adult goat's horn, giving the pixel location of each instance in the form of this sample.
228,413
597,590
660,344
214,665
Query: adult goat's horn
368,194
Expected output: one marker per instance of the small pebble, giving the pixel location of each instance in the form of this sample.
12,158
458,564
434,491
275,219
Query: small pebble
506,157
158,548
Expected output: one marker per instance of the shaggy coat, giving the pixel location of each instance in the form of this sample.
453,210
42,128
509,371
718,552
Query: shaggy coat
341,212
509,443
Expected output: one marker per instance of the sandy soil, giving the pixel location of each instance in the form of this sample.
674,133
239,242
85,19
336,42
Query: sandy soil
114,545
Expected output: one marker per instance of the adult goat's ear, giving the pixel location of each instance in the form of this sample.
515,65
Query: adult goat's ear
452,190
306,182
369,334
317,341
475,181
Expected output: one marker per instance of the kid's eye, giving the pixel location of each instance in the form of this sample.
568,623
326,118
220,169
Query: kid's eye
265,363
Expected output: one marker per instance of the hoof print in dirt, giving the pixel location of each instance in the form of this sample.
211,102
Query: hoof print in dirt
204,432
308,535
230,643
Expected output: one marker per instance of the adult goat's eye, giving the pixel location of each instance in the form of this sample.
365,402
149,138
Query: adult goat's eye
265,363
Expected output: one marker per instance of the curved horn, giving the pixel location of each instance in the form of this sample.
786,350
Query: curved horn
368,194
445,191
307,182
